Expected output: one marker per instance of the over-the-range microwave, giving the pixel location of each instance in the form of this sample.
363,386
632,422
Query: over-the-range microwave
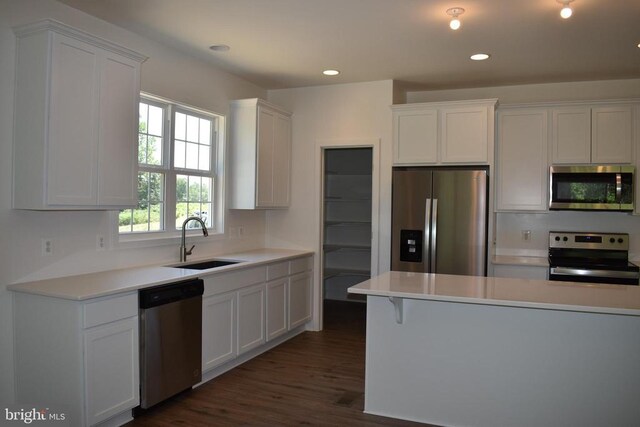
599,188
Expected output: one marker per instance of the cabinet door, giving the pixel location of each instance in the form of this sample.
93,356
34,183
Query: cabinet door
299,299
277,308
281,161
415,137
111,369
265,148
522,160
465,137
218,330
117,143
611,134
571,135
251,331
73,123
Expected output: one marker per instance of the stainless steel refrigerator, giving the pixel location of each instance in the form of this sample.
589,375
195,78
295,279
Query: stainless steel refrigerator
439,220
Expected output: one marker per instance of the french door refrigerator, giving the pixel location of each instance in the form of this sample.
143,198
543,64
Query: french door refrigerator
439,220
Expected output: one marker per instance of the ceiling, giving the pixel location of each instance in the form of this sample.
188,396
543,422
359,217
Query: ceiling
287,43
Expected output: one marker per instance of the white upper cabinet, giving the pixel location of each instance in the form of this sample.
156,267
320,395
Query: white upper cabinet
415,136
611,134
598,135
458,132
260,152
75,139
465,134
522,159
571,135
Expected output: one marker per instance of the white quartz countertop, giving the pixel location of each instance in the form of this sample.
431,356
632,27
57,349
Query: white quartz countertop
541,294
94,285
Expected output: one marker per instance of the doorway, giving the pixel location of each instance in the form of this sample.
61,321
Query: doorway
346,232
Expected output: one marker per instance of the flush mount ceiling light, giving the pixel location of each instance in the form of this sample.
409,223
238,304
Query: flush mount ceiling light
566,11
219,47
454,12
331,72
480,56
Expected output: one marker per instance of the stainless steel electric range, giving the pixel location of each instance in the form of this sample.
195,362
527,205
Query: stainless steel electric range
591,258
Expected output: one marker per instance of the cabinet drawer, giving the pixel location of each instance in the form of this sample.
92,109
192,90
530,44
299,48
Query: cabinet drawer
275,271
299,265
220,283
110,310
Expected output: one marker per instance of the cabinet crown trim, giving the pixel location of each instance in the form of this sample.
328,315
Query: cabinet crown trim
586,103
257,102
491,102
60,28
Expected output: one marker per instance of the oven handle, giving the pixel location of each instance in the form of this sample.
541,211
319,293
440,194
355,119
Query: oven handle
618,188
565,271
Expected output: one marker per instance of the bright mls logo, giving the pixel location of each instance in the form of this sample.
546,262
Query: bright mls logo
18,414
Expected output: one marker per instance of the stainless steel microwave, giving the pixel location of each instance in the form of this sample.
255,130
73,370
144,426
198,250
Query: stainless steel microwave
598,188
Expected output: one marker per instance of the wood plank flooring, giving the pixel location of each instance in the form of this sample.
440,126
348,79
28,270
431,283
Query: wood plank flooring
314,379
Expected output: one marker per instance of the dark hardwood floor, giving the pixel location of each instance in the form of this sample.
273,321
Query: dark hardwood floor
316,378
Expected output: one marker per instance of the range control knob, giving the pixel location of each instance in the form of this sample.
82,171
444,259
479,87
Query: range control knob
557,238
620,240
565,238
612,240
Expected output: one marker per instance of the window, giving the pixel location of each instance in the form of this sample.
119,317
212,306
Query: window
178,158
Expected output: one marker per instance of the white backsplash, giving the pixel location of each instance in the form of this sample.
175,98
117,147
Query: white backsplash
510,228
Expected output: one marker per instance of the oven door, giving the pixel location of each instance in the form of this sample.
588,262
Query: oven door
585,275
591,188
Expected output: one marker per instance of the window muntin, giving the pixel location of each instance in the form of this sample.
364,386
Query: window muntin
177,157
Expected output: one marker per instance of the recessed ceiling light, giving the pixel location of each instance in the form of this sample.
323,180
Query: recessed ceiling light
480,56
331,72
220,47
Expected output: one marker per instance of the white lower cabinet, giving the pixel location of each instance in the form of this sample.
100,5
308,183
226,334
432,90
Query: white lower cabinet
277,307
245,309
299,299
111,369
79,356
218,330
521,271
251,331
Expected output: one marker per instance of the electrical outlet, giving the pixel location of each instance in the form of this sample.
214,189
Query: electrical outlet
47,247
526,235
100,244
240,232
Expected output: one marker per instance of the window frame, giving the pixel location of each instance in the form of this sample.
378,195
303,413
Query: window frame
217,174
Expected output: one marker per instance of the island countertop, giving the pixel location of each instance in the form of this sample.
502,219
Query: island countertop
512,292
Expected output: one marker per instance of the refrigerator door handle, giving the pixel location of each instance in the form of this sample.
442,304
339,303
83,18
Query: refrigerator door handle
434,231
427,234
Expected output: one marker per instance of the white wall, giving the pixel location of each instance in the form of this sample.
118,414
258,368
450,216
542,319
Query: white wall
167,73
339,112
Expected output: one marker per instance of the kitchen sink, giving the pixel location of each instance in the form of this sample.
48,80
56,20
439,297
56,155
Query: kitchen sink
205,265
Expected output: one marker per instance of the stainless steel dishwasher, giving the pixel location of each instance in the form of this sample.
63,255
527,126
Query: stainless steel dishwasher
170,340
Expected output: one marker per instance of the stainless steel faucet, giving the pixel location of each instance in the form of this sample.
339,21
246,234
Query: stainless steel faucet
183,245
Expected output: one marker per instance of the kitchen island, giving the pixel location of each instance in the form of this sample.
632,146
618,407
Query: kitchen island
484,351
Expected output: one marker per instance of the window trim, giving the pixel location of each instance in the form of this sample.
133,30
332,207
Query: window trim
218,174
